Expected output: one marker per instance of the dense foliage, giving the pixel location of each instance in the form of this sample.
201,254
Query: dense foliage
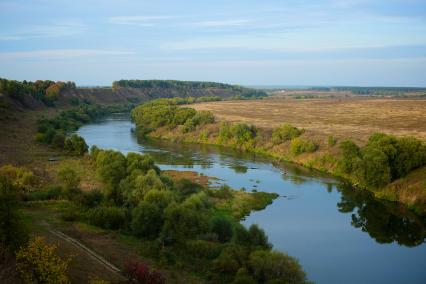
383,159
166,113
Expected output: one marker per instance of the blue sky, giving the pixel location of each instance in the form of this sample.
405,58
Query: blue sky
264,42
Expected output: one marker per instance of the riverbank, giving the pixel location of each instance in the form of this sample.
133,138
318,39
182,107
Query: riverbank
303,148
51,206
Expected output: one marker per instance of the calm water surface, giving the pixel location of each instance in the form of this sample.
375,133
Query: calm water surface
339,235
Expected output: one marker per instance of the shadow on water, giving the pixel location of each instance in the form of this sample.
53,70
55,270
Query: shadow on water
385,222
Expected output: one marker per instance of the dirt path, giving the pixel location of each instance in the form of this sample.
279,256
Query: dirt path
88,251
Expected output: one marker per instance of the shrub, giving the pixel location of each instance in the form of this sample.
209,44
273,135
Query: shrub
243,134
222,226
285,132
224,133
76,145
142,273
231,259
258,238
39,263
140,163
111,166
21,178
350,156
68,177
275,266
299,146
146,220
112,218
182,222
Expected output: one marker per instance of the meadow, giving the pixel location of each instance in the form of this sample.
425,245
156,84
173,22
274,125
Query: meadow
353,118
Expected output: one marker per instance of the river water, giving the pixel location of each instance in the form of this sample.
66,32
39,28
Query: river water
339,235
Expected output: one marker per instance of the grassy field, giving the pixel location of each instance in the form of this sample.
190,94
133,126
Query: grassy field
354,118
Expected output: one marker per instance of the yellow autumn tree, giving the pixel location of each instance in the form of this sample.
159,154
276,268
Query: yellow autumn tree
38,263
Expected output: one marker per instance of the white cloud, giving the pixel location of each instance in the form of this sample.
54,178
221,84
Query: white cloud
143,21
60,54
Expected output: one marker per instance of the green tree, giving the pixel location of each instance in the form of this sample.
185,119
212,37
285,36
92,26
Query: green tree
222,226
146,220
275,266
76,145
111,166
68,177
258,238
183,222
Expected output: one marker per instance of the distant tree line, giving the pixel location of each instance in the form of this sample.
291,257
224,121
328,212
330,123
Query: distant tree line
183,86
46,91
372,91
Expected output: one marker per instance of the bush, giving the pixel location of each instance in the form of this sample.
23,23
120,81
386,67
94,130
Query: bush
299,146
285,132
183,222
254,237
68,177
231,259
350,156
243,134
39,263
111,167
222,226
146,220
76,145
275,266
21,178
142,273
112,218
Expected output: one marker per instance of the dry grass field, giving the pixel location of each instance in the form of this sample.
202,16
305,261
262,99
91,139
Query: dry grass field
354,118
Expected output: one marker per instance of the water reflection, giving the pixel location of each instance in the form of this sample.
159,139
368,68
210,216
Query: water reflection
386,222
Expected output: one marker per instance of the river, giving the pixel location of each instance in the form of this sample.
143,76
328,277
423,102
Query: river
338,234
